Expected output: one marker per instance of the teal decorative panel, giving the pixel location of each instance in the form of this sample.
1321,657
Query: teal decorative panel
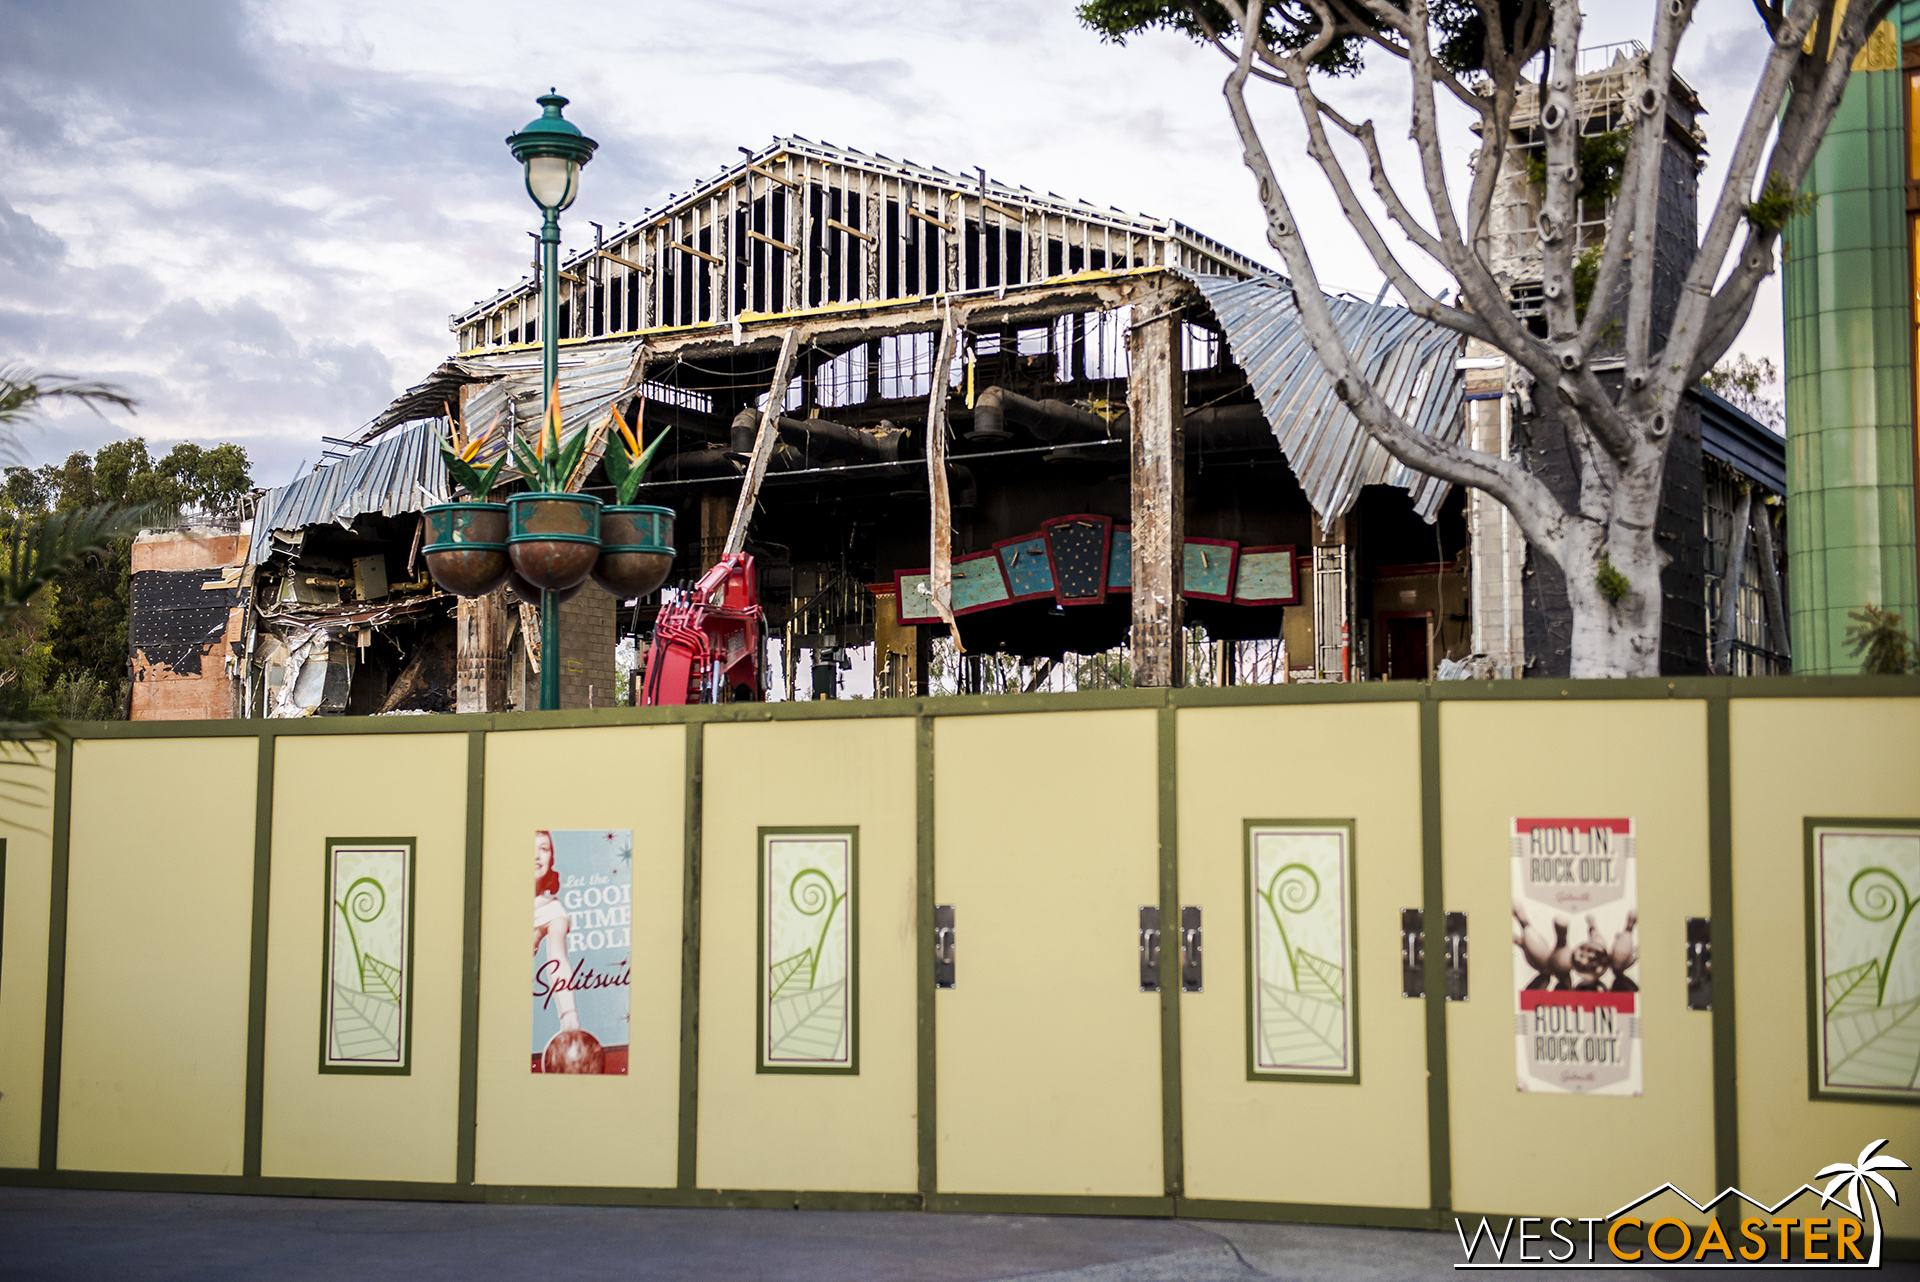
1208,572
978,583
1028,568
1120,560
1267,576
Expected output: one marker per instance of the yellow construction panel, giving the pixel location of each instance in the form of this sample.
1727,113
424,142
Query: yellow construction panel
1644,760
809,1131
364,1127
26,806
555,1129
1294,1141
1795,759
1046,845
159,940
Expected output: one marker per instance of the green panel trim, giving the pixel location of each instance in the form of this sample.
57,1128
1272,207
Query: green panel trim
467,1116
1434,915
56,956
687,1153
1726,1047
327,904
738,1199
256,1090
1291,695
1392,1217
1173,1162
1350,872
927,1096
1049,1204
3,909
1816,999
851,832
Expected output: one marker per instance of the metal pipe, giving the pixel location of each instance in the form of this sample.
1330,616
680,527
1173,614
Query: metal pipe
549,652
1725,627
549,390
1048,420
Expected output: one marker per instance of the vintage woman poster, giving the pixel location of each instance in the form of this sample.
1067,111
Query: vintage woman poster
582,950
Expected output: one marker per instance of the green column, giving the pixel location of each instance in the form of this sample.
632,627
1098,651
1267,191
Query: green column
1847,294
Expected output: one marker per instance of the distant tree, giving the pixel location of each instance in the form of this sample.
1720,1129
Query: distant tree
88,632
1746,382
66,536
39,546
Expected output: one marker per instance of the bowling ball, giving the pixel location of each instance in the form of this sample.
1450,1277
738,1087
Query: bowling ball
573,1050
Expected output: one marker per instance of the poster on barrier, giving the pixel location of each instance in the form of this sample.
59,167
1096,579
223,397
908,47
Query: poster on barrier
1576,958
582,950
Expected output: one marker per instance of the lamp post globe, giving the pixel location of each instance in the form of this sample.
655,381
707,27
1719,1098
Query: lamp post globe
552,150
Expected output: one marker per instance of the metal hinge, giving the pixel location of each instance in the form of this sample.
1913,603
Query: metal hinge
1149,948
1190,950
943,945
1413,953
1456,957
1699,963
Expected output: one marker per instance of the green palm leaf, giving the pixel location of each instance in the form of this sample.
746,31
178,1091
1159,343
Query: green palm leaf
1321,978
789,971
378,979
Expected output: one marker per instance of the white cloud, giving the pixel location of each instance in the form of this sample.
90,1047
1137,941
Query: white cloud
259,213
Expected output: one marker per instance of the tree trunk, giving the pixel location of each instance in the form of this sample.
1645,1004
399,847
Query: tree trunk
1614,590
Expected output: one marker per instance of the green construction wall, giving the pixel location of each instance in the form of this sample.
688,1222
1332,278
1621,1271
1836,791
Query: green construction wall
1849,379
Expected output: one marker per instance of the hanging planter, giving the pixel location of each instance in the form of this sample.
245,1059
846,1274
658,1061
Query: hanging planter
465,543
636,549
466,546
553,539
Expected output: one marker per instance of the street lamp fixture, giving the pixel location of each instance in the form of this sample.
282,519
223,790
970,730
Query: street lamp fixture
553,151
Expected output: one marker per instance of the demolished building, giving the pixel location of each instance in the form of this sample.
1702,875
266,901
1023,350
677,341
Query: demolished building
1106,431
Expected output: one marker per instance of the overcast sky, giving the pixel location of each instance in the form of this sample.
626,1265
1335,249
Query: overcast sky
257,217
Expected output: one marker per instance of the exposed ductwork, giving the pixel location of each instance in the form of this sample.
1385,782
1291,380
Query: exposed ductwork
821,441
1049,421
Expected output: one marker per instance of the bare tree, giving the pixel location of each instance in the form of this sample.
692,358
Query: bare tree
1474,52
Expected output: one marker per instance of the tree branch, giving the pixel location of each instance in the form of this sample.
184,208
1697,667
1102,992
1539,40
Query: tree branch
1540,517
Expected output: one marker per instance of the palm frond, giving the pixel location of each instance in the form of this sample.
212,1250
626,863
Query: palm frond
22,391
38,553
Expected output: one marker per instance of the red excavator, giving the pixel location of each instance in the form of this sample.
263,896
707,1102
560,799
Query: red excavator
706,646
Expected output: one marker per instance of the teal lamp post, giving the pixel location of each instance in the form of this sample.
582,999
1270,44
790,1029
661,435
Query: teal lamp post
553,151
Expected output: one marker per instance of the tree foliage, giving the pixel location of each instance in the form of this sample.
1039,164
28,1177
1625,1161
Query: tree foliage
1748,383
66,538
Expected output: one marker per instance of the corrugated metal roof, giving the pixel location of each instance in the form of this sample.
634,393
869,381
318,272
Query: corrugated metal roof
1410,360
384,477
590,376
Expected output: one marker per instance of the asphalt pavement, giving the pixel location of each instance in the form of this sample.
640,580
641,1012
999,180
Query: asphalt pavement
55,1234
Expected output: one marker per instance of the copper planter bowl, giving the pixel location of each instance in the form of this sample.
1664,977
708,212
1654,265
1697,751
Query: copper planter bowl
636,549
553,539
465,546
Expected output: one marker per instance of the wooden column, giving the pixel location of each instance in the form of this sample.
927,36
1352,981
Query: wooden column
763,444
481,653
1156,406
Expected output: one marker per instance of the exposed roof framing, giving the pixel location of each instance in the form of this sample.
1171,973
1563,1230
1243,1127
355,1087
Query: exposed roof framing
801,227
